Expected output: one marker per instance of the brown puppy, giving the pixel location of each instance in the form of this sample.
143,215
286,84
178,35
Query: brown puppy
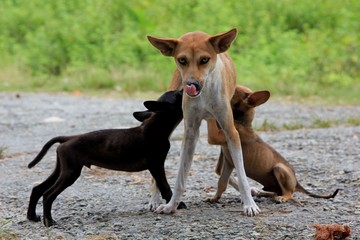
262,163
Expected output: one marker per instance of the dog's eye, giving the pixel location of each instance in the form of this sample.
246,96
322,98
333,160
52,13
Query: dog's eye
204,60
182,61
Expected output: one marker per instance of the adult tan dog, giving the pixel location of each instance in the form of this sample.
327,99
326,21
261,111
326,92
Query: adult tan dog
262,163
208,77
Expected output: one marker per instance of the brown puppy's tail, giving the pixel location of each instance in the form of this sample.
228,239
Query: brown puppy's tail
299,188
46,147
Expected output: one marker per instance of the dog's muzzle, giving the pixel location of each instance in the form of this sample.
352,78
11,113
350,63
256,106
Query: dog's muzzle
193,88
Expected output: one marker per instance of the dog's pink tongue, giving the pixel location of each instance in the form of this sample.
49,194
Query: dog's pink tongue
191,90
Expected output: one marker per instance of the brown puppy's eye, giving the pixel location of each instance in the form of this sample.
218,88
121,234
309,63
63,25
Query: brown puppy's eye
204,60
182,61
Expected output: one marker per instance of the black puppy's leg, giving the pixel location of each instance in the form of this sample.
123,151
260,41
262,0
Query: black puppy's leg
163,185
38,191
66,179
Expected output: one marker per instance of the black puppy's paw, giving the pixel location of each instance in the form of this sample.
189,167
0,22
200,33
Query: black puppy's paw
33,217
182,205
49,222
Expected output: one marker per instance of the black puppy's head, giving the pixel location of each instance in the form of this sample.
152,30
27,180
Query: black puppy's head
169,101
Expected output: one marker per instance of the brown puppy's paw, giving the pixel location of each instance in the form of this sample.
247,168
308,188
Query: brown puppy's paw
280,199
212,200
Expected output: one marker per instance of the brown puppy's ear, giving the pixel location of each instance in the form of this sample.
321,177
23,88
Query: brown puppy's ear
257,98
221,42
165,45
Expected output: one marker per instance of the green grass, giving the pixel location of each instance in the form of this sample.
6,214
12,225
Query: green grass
269,126
2,151
302,49
5,232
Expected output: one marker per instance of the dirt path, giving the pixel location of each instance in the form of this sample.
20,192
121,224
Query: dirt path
113,205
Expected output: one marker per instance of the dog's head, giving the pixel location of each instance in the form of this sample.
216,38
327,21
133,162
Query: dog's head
195,54
168,102
244,101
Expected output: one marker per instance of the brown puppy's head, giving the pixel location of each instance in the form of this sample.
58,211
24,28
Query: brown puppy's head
244,101
195,54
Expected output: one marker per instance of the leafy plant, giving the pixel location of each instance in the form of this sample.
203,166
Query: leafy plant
299,48
2,151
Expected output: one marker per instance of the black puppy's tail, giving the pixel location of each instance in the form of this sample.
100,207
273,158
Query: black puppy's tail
299,188
46,147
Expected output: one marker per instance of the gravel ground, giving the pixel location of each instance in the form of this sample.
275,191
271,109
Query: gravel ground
105,204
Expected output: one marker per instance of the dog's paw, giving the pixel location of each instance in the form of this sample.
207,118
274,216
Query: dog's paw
154,203
182,205
280,199
212,200
251,209
48,222
166,208
254,192
33,217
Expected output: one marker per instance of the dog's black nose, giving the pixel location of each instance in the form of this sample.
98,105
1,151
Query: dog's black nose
193,82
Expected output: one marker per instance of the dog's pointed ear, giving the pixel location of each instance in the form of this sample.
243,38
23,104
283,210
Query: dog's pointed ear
165,45
156,106
142,116
222,42
258,98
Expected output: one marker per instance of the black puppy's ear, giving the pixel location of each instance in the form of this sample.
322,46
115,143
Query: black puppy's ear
142,116
258,98
156,106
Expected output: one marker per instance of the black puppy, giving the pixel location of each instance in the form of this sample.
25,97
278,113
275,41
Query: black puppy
132,150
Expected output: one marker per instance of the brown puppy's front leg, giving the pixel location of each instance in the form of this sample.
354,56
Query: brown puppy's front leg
225,172
215,135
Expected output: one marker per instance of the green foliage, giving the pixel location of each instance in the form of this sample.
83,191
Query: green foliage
5,232
2,151
302,48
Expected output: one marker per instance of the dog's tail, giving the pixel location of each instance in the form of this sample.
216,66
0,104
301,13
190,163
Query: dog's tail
299,188
46,147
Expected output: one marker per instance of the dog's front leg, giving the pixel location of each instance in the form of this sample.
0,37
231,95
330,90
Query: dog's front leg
191,136
234,146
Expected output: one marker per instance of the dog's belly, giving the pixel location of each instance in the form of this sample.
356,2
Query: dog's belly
126,165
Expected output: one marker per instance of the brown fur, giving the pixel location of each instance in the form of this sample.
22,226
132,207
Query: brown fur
262,163
330,232
207,74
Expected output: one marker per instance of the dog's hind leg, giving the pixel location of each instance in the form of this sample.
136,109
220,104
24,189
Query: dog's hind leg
38,191
286,180
66,179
